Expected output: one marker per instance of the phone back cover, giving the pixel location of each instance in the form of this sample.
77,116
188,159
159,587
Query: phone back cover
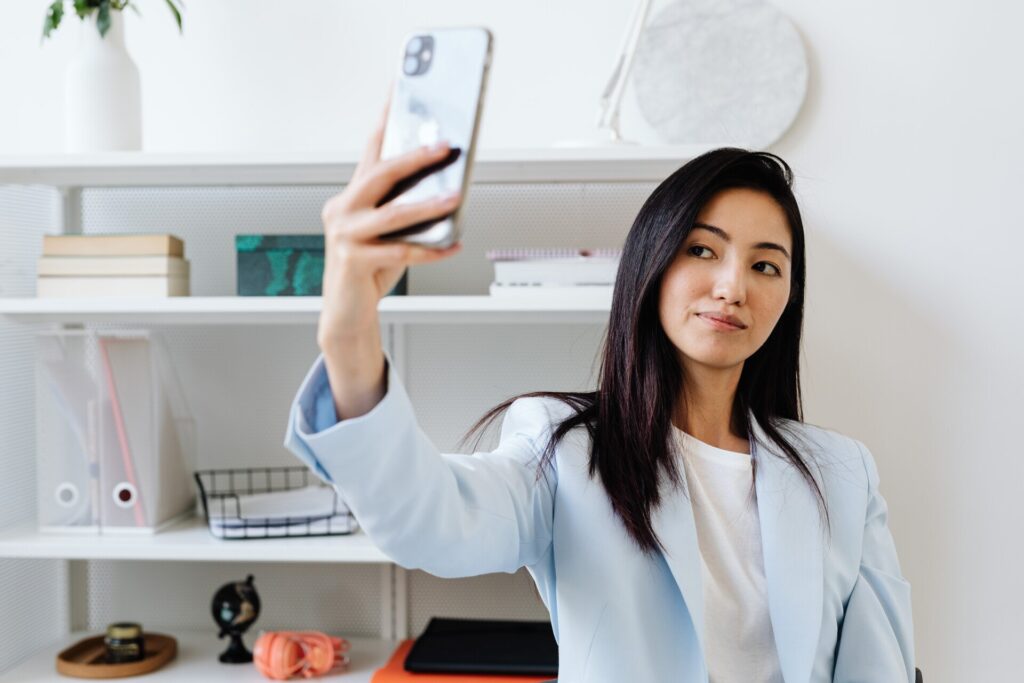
438,105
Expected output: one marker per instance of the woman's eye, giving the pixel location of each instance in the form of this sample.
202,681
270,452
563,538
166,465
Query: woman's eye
775,269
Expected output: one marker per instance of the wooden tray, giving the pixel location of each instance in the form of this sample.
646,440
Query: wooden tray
84,659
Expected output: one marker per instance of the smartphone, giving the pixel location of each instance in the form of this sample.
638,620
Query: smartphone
438,96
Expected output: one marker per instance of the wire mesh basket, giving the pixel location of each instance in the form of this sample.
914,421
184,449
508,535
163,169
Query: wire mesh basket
271,502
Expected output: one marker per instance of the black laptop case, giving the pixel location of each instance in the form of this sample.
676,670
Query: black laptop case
482,646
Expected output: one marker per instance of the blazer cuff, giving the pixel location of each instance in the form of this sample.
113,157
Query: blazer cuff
325,443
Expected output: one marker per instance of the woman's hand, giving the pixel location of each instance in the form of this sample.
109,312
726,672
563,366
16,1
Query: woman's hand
359,268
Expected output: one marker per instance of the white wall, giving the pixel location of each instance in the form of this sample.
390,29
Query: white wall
908,153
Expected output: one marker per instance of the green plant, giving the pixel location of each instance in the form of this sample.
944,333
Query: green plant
84,8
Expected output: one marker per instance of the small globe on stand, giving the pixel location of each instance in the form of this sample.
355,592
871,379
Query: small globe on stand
235,607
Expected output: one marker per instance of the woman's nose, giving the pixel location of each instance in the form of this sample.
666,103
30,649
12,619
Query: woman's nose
731,284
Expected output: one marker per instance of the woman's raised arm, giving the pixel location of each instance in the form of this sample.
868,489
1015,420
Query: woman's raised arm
359,268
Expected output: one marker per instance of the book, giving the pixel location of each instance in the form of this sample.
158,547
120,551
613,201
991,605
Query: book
554,266
542,253
112,265
113,245
557,271
48,287
576,294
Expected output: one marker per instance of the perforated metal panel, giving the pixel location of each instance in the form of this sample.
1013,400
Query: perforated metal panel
207,219
25,214
455,373
33,605
531,215
500,215
493,596
240,380
342,599
33,593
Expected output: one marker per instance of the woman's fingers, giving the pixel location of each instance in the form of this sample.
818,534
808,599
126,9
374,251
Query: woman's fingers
393,216
385,174
402,254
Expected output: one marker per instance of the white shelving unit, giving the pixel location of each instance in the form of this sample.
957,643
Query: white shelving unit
117,169
197,661
635,168
230,310
187,541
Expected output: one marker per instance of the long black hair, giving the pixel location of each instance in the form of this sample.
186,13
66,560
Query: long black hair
629,416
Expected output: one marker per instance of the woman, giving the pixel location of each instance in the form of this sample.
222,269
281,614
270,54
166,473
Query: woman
681,522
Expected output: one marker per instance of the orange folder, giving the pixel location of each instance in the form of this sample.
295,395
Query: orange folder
394,672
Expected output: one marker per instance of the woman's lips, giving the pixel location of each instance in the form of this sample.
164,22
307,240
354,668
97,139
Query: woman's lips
719,324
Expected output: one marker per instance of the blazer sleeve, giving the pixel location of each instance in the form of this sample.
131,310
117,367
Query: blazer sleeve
876,642
449,514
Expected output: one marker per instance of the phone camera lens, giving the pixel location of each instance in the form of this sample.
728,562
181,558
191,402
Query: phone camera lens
419,50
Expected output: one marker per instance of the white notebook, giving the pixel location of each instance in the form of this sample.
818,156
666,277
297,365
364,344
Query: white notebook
50,287
310,501
111,266
298,512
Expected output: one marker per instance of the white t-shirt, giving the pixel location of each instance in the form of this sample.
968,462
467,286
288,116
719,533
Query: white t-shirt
739,642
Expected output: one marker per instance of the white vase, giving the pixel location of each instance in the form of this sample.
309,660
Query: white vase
103,104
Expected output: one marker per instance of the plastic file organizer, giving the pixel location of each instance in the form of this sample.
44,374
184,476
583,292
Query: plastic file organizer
115,440
271,502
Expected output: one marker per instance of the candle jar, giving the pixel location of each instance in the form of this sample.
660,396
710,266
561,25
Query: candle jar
124,643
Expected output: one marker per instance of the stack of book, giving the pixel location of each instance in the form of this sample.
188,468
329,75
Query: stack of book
112,265
527,273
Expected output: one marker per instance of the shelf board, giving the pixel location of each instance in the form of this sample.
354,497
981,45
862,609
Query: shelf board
197,660
623,163
586,307
190,541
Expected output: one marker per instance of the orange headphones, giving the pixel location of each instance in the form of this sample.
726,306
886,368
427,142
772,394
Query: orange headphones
279,655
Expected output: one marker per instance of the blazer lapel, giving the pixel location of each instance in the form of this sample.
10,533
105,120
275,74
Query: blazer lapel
791,541
791,545
674,524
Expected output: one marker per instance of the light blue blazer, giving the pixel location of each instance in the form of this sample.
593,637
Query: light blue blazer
840,608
